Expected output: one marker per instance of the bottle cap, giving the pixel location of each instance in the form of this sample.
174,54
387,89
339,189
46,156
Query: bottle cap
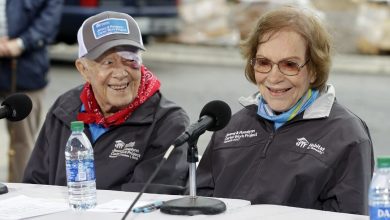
77,126
383,162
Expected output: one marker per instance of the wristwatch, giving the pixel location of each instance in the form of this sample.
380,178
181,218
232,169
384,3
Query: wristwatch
20,43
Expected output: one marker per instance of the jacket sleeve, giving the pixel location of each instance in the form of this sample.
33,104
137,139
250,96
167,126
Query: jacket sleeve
172,177
204,172
347,190
37,169
43,29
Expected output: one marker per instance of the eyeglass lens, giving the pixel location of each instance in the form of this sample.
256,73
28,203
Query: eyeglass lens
287,67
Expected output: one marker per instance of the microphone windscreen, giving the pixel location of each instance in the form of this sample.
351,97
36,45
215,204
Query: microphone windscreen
219,111
20,106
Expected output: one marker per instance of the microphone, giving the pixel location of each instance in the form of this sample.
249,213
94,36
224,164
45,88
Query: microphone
15,107
214,116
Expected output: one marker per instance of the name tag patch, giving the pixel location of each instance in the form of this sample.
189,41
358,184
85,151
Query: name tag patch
110,26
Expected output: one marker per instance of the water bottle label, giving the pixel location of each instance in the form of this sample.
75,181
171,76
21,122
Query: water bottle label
80,170
382,213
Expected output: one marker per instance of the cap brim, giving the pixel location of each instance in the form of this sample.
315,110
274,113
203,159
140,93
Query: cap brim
99,50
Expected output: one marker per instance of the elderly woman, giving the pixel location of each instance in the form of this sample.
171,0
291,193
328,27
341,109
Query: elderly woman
128,121
292,144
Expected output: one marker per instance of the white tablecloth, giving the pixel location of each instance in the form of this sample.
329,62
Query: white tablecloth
236,209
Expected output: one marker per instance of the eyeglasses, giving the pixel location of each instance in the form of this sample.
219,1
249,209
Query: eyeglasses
287,67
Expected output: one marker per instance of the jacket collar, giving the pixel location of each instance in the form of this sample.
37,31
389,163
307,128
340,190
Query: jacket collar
319,109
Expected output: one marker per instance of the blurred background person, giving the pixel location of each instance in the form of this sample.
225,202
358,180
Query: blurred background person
128,121
26,29
293,143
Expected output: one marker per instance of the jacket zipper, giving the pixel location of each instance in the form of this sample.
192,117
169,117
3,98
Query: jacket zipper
270,139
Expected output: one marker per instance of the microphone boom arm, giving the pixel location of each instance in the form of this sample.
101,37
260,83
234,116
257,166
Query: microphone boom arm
195,130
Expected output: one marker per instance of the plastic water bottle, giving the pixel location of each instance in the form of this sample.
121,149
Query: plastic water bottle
379,193
80,169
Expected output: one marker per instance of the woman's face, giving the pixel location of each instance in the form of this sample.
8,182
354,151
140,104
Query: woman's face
114,78
280,91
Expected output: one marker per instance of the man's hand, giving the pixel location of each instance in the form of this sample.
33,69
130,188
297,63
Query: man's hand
9,47
3,47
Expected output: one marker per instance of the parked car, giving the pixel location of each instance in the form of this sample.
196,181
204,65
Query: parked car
154,17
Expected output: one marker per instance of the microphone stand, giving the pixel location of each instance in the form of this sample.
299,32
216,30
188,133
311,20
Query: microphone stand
193,205
3,189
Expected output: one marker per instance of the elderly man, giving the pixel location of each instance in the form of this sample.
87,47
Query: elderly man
128,121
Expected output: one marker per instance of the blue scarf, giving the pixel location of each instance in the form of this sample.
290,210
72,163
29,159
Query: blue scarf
303,103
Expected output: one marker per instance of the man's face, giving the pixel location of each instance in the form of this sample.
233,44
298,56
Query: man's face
115,78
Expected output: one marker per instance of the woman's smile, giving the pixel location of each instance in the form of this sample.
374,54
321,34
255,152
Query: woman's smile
278,92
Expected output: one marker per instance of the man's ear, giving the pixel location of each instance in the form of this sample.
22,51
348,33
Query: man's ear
83,68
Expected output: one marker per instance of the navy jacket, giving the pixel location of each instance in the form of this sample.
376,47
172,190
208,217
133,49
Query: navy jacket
36,23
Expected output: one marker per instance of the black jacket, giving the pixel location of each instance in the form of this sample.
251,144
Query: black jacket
321,159
146,135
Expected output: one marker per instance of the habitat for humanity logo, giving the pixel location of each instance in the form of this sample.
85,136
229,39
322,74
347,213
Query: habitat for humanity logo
121,149
236,136
303,143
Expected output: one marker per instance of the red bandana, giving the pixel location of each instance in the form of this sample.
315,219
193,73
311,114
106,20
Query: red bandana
148,86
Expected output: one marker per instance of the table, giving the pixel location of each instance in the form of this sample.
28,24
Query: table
236,209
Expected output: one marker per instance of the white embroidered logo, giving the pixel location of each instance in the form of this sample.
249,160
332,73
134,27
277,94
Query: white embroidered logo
121,149
119,144
303,143
236,136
